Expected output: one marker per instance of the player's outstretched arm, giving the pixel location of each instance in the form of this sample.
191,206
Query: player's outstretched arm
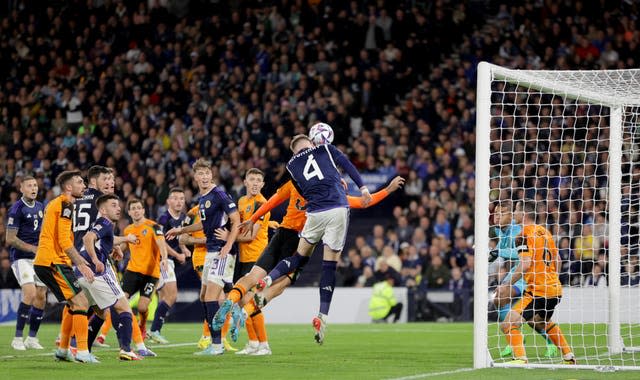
130,238
190,240
377,197
345,164
175,231
12,240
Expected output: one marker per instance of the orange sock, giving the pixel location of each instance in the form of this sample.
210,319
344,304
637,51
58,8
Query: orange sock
143,320
66,326
136,334
226,326
516,341
250,308
81,329
205,329
236,294
259,326
250,331
557,337
106,326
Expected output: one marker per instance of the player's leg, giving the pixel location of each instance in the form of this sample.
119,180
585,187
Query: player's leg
95,325
512,324
25,274
306,245
106,326
36,314
125,329
544,308
28,294
503,297
149,286
168,295
132,283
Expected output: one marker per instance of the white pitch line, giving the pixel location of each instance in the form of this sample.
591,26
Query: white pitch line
432,374
97,351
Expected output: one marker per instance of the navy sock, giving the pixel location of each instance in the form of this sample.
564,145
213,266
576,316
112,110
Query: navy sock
115,322
161,313
95,324
23,315
212,309
35,318
124,330
285,266
327,285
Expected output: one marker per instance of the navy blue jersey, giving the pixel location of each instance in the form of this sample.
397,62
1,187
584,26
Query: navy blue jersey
316,176
167,221
28,221
85,213
103,228
214,208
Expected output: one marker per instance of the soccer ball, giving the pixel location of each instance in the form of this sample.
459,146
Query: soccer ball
321,133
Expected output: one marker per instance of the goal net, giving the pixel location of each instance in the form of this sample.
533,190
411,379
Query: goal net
570,141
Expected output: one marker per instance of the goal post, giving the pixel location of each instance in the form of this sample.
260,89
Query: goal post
570,140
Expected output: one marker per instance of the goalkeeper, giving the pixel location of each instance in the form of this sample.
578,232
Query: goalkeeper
506,294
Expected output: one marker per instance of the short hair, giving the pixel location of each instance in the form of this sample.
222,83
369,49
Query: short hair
201,163
528,207
505,203
176,190
254,171
298,138
66,176
96,170
28,178
105,198
133,201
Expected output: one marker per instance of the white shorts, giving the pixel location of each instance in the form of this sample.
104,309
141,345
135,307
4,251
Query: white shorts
167,276
104,291
330,226
23,270
218,271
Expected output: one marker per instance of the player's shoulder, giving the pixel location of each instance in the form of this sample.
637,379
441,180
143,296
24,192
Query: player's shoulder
154,226
66,206
260,199
16,208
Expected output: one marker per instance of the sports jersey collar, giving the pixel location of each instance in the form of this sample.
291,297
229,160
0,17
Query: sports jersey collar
210,190
27,204
173,217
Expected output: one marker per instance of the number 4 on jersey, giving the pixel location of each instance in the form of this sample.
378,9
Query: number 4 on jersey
311,169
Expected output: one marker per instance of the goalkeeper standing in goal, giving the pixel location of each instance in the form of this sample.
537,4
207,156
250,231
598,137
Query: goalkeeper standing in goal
539,263
506,293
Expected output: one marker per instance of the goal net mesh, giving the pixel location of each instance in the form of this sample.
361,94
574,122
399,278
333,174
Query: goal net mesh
553,147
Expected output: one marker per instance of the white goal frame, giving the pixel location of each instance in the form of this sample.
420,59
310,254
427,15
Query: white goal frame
616,102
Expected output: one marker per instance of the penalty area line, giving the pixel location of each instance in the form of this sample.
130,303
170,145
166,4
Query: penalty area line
432,374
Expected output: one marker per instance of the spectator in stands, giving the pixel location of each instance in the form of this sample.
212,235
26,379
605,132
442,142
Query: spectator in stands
437,274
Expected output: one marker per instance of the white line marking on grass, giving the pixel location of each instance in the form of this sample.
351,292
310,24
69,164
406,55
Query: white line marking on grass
156,347
432,374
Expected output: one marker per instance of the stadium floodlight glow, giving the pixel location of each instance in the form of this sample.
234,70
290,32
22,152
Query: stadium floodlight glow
571,141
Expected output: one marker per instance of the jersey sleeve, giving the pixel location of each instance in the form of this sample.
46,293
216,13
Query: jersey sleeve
158,230
228,205
13,222
377,197
65,229
344,163
101,228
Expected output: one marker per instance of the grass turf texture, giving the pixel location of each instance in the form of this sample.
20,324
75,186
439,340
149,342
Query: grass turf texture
410,351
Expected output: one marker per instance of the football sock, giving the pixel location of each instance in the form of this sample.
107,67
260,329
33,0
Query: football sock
515,340
136,334
285,266
106,326
556,336
80,329
95,324
226,326
35,318
114,320
212,309
143,319
258,326
65,328
161,313
236,294
327,285
205,329
125,327
23,315
251,332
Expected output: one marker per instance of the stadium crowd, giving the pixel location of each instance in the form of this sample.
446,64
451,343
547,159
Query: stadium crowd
132,86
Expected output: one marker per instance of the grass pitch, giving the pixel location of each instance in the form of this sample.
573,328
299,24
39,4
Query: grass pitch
403,351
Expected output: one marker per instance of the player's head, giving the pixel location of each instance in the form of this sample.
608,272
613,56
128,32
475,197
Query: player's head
71,183
503,213
109,206
176,201
202,173
101,178
300,142
135,209
29,188
254,181
525,211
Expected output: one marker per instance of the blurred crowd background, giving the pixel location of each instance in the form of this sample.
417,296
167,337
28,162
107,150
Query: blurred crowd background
147,87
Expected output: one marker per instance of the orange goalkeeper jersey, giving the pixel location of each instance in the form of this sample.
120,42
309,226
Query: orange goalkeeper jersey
251,250
296,216
199,250
145,255
542,276
56,235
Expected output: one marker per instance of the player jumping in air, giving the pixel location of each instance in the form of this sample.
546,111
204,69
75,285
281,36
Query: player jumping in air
539,263
23,232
